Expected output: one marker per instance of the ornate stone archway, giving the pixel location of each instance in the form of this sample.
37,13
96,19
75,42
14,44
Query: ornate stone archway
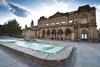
53,34
67,34
60,33
43,33
48,32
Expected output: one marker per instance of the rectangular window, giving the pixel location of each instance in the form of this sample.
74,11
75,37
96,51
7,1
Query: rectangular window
85,36
63,22
70,21
57,23
82,36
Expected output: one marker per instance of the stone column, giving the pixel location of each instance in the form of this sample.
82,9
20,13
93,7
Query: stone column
94,34
79,33
90,34
50,35
72,36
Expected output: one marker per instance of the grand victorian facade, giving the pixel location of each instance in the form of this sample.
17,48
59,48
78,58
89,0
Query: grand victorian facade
75,26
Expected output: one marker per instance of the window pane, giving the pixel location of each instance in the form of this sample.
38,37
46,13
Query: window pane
85,36
82,36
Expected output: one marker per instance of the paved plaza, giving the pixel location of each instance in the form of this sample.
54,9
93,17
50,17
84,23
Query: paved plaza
84,55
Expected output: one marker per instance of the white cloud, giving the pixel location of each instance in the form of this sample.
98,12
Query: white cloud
50,9
61,7
98,15
46,10
5,18
21,21
3,2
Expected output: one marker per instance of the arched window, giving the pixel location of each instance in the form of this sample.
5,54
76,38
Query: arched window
43,33
48,32
53,32
67,31
60,31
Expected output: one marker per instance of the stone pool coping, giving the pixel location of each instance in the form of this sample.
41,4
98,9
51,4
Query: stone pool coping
58,56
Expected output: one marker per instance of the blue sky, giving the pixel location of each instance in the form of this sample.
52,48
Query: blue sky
26,10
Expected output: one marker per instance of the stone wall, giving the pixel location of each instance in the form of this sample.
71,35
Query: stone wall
28,33
77,25
70,24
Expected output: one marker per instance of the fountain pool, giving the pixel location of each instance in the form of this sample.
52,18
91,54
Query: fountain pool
38,49
32,45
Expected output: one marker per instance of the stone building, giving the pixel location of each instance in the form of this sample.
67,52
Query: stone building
29,32
77,25
99,35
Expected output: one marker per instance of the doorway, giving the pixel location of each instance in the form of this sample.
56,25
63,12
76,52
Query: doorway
84,35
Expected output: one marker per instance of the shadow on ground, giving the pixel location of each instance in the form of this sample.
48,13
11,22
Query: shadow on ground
70,62
30,63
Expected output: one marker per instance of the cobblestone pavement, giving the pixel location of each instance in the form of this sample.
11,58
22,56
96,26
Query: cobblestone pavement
84,55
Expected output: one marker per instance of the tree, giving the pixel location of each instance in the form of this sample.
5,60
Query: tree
1,30
11,28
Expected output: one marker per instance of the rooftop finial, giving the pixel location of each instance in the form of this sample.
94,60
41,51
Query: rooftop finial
32,24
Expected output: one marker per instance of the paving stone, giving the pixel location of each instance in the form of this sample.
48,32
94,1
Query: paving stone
85,55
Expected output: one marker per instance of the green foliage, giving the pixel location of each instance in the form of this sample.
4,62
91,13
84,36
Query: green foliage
11,28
